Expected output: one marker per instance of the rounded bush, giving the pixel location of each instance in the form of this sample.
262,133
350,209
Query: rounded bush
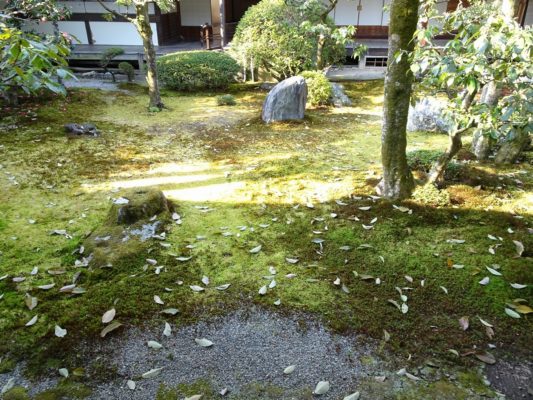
127,69
319,89
226,100
275,36
197,70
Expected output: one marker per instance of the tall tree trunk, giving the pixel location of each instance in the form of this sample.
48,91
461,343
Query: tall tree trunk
321,43
142,23
454,144
397,181
320,52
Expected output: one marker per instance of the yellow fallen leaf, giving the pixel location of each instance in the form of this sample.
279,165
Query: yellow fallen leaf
523,309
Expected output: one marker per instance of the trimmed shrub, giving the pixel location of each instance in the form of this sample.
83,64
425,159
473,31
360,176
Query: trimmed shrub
276,36
422,160
127,69
109,54
431,196
226,100
319,89
197,70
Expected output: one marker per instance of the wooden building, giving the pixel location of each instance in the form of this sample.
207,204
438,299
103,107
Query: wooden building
182,24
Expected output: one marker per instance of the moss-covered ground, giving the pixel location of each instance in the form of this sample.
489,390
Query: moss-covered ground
238,184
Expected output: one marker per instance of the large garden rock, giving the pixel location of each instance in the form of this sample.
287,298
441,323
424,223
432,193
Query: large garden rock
338,97
286,101
427,115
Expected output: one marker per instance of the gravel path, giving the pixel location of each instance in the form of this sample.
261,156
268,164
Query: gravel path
248,349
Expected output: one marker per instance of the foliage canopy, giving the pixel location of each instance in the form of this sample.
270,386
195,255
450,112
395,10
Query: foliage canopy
278,38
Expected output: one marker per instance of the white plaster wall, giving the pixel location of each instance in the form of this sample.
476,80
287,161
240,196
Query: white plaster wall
74,28
95,7
195,12
118,33
371,12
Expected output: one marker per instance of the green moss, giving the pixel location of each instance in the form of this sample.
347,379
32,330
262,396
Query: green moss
65,390
199,387
274,171
16,393
7,365
474,381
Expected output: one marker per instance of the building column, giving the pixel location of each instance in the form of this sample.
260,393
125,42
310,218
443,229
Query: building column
222,12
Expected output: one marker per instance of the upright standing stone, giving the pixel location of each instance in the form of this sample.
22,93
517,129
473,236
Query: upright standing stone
286,101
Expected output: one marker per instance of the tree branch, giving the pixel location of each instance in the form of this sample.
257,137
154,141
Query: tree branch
115,13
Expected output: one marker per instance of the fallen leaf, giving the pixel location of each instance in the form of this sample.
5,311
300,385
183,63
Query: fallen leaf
168,330
454,352
60,332
158,300
512,313
46,287
131,384
464,323
408,278
152,373
277,302
256,250
386,335
223,287
183,259
523,309
289,370
31,302
519,247
291,260
518,286
170,311
444,289
493,271
204,342
205,280
353,396
108,316
195,397
321,387
154,345
196,288
484,281
485,323
412,377
486,357
32,321
109,328
63,372
272,284
263,290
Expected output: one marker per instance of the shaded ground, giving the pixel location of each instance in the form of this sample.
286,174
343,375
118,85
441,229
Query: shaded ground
236,185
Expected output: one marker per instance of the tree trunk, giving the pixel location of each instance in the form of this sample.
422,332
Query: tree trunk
454,145
320,52
482,145
142,23
397,181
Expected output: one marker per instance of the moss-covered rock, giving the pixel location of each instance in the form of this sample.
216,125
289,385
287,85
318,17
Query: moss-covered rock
127,228
142,204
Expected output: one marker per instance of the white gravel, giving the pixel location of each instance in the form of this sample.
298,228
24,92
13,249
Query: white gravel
251,348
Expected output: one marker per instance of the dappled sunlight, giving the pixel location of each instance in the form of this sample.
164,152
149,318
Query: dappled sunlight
217,192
